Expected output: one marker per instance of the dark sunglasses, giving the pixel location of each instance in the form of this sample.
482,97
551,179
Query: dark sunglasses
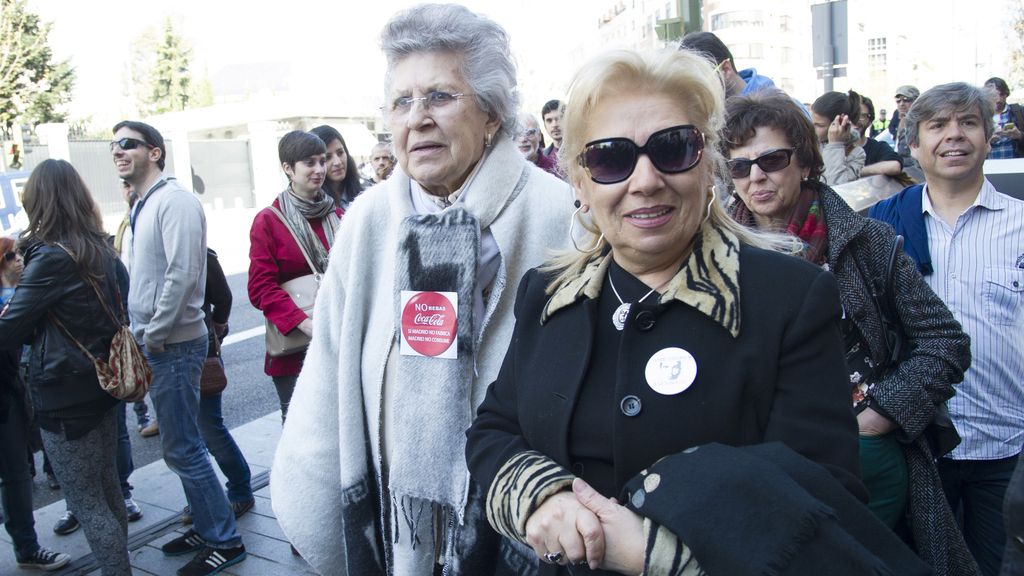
10,256
129,144
672,150
770,161
903,100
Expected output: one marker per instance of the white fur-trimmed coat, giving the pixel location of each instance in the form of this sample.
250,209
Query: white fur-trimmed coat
325,489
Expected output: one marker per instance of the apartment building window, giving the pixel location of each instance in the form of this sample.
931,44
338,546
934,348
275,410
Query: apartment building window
740,18
747,51
877,53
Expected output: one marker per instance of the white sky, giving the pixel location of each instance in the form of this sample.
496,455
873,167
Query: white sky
332,46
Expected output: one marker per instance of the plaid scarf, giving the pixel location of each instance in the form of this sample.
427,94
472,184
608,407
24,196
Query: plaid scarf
806,223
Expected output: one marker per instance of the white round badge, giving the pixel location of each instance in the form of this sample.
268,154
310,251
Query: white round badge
671,371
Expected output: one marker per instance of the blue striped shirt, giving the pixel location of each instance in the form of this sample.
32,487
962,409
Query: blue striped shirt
979,273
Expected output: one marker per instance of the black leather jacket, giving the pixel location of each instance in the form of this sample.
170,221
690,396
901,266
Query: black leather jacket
61,379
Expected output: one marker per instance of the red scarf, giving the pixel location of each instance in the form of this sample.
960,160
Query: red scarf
806,223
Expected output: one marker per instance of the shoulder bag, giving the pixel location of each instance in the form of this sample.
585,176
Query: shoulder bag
125,374
302,291
940,434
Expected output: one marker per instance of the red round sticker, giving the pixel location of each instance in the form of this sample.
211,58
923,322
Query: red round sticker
429,323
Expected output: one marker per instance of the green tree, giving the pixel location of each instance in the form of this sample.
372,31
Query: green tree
33,87
170,80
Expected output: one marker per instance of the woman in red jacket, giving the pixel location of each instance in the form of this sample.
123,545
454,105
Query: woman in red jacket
301,214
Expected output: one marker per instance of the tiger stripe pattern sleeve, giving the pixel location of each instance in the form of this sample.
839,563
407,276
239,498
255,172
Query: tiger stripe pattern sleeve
520,487
666,555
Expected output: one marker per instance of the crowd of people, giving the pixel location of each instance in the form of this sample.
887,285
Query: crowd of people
659,343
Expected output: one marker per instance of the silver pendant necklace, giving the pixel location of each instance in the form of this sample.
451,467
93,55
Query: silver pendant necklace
622,312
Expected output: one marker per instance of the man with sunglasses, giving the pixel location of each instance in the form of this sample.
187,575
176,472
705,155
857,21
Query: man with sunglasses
165,298
905,96
968,242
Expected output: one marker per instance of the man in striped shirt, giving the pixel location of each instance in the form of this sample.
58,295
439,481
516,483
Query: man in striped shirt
968,241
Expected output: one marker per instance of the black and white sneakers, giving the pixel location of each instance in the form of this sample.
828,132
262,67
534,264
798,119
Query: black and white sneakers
212,560
187,542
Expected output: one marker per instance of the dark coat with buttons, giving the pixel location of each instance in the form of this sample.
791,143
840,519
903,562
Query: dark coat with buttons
770,367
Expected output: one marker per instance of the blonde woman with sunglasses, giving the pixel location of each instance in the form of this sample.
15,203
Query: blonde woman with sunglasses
668,381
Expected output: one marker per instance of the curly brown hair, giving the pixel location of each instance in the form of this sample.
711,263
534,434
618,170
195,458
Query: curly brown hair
745,114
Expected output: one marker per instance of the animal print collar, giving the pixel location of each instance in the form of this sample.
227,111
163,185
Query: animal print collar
707,281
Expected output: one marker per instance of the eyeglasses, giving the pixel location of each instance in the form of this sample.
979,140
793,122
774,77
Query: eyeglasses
10,256
672,150
903,100
436,100
129,144
770,161
528,133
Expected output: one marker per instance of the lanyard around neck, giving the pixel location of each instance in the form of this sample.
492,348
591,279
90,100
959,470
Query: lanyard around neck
142,201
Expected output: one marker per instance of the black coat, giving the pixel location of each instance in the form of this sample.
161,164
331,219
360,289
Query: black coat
62,380
782,378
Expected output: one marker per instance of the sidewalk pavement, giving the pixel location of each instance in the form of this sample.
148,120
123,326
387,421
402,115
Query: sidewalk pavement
158,491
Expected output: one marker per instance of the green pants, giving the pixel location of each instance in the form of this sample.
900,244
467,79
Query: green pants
883,468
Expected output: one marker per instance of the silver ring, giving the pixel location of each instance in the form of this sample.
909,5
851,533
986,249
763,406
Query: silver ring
553,557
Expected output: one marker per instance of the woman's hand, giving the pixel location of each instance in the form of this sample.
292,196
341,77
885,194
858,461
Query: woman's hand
306,327
622,547
871,423
564,528
839,130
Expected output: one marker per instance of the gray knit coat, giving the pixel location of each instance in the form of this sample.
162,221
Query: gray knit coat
858,254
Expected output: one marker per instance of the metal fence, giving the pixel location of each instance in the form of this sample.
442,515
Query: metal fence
221,171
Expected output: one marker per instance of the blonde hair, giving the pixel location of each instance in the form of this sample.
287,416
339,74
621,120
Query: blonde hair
684,74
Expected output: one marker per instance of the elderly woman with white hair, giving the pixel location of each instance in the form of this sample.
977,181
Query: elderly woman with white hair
674,397
414,315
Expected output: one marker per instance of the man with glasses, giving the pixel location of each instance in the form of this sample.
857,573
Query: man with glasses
530,142
905,96
168,281
968,242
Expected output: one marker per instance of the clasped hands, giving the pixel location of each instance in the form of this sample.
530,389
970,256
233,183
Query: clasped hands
584,527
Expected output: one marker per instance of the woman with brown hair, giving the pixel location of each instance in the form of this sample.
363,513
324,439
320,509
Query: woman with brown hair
776,166
305,212
67,258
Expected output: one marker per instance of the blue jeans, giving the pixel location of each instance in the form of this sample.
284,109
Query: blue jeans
175,395
15,480
224,450
975,490
125,465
